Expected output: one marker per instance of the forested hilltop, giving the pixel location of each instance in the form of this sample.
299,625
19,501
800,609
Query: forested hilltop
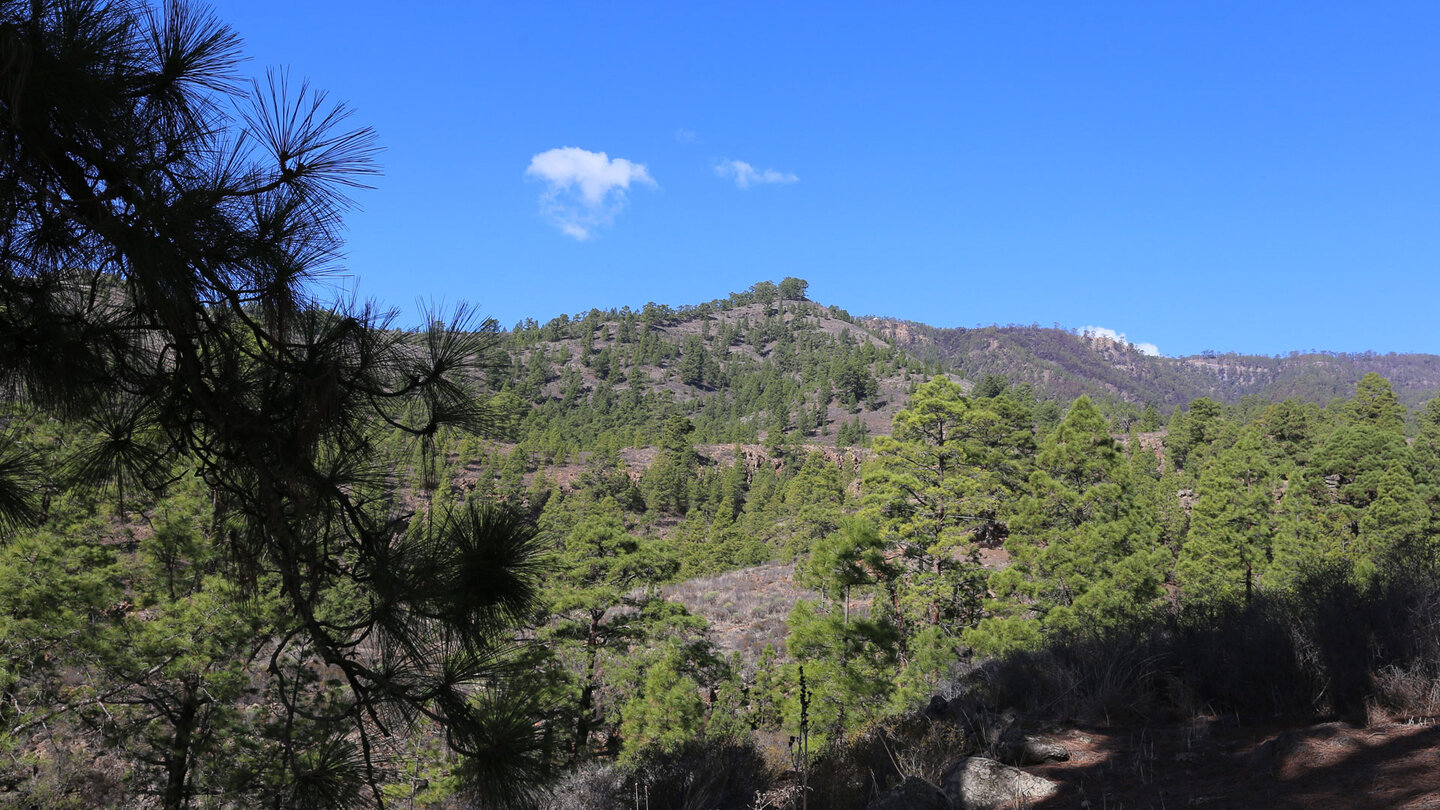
769,362
266,549
817,363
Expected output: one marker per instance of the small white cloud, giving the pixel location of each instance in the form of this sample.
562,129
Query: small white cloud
1102,332
584,190
687,136
1119,337
746,175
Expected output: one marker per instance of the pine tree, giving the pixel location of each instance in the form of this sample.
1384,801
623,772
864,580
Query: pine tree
1310,534
1232,535
1426,452
813,506
850,666
1195,434
667,711
667,482
603,583
1395,528
1352,461
156,281
1085,551
852,557
1375,404
936,486
1149,419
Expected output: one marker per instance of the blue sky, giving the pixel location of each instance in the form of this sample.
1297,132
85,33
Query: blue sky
1246,176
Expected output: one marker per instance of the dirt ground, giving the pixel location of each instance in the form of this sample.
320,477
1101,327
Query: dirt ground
1214,765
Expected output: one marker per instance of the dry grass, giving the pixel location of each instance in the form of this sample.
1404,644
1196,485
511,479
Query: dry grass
746,609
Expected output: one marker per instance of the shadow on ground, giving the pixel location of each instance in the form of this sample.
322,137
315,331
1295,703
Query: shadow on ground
1331,765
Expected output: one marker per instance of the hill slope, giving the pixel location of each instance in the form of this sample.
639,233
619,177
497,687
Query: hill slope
1062,364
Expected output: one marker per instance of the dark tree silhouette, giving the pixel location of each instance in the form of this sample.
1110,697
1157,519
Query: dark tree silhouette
162,236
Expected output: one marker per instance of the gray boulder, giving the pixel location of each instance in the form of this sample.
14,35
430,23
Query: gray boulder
977,783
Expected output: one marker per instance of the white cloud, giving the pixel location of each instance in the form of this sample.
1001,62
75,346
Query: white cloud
746,175
1110,334
686,136
584,190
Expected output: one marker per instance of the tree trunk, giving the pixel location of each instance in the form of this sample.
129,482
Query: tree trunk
177,761
935,599
587,692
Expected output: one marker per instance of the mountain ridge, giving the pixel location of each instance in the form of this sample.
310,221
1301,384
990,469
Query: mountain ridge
1063,364
1057,363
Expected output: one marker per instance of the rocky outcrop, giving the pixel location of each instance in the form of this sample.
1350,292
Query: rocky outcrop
977,783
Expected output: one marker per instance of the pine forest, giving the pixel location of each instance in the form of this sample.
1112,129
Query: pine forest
262,548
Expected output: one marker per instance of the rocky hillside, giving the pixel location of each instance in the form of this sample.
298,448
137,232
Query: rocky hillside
1062,364
744,370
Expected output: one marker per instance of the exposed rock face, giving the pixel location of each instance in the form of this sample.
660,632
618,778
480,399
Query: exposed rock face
912,794
976,783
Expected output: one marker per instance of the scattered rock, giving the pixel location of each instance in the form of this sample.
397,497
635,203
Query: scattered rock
1272,754
912,794
1012,746
1034,751
977,783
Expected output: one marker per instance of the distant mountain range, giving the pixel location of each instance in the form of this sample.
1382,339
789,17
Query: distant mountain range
1063,364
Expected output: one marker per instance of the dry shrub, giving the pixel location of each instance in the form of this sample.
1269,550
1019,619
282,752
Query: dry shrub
1093,680
705,774
1404,693
852,771
592,786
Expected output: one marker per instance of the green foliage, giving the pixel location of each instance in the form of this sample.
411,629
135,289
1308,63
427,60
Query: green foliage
849,665
604,605
1149,420
667,482
1232,534
1195,435
1086,557
667,710
223,580
852,557
157,297
1375,404
939,479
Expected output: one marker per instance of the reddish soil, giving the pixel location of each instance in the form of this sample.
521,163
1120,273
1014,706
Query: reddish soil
1333,765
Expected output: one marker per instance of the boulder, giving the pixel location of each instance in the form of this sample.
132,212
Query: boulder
977,783
912,794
